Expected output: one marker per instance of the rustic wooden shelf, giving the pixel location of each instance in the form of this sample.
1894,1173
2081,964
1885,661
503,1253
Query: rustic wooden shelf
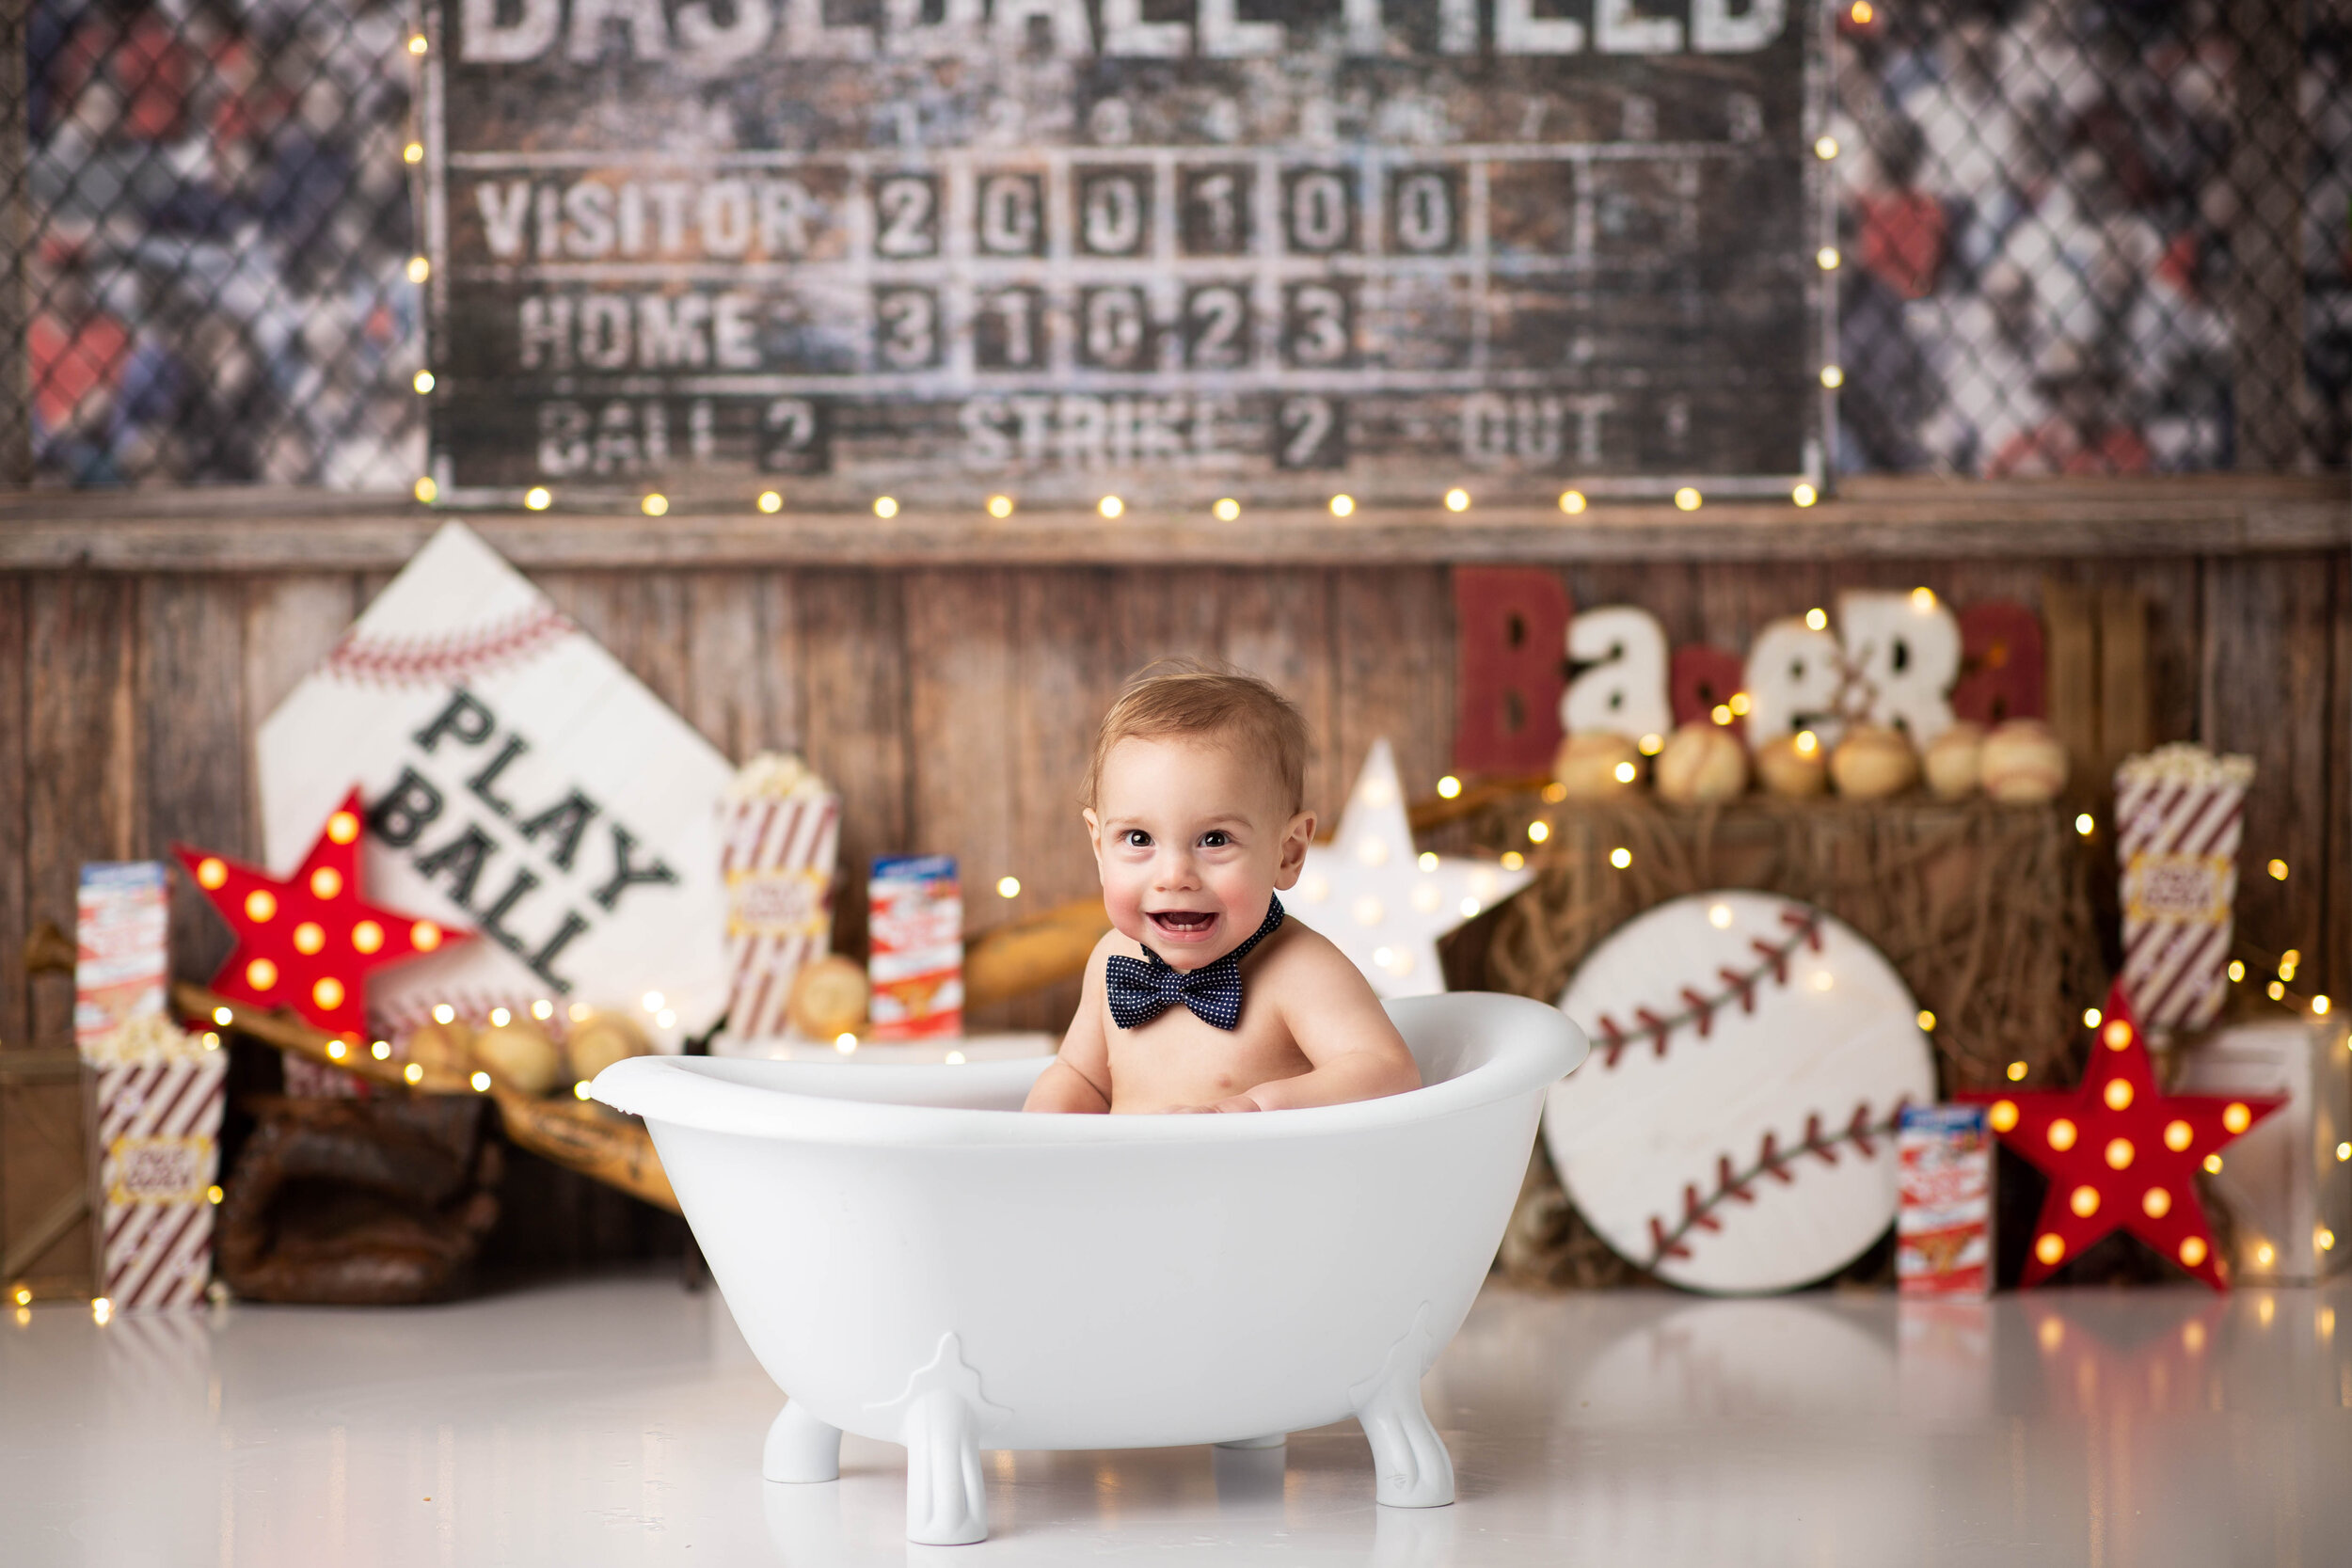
245,530
587,1138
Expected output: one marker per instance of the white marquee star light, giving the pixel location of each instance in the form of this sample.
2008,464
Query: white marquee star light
1384,905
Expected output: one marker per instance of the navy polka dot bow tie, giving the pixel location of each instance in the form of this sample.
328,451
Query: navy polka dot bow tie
1141,992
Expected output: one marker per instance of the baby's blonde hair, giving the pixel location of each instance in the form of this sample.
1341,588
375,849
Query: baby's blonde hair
1193,697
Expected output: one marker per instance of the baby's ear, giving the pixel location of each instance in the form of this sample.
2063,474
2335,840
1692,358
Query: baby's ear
1295,837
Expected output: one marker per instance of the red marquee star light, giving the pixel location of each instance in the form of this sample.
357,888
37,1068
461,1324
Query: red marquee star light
308,941
2121,1153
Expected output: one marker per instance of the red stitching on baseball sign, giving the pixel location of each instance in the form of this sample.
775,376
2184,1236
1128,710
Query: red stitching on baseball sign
1698,1212
1698,1009
440,660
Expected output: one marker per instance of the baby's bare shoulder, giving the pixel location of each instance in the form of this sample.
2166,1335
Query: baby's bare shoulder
1300,958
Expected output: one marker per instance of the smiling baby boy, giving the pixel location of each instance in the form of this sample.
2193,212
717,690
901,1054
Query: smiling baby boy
1205,996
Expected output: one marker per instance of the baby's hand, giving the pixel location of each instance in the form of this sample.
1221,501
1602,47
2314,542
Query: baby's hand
1239,1102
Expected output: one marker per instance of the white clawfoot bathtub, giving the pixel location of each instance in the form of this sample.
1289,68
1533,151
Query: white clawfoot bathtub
912,1261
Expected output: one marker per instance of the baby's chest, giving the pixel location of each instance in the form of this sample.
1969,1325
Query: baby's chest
1182,1058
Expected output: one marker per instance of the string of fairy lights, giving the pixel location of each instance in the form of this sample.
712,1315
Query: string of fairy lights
1226,508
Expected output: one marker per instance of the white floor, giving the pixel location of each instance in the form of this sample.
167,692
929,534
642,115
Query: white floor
620,1422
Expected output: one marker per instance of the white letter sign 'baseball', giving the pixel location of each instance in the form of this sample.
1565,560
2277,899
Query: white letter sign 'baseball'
520,784
1735,1129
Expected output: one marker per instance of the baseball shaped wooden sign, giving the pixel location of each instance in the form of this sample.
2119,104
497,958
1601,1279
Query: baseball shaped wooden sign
1735,1129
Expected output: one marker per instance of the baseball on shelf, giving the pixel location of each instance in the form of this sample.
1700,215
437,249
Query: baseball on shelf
1702,763
1873,762
2024,762
600,1039
829,998
519,1055
441,1048
1794,765
1734,1130
1953,761
1594,765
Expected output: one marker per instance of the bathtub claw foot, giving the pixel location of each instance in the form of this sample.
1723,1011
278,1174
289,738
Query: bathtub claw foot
946,1500
1410,1460
1272,1440
800,1448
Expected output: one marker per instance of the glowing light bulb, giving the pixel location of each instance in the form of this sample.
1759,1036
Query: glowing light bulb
542,1009
1428,861
1342,506
424,382
1449,786
1000,507
1110,507
1926,1021
480,1081
381,1051
417,44
261,975
1816,619
1571,501
579,1091
1833,377
1804,494
2237,1117
772,502
1650,745
414,1072
1457,500
1687,499
2237,970
538,498
656,504
413,152
845,1044
501,1018
328,992
2003,1116
2083,1201
1539,831
1226,510
654,1002
2091,1018
419,268
367,937
1719,916
1740,702
444,1013
1721,713
2083,823
1807,743
2063,1135
1624,771
2155,1203
211,873
1007,887
1512,860
2049,1247
1825,147
1621,857
885,506
427,490
2277,871
2016,1071
1923,601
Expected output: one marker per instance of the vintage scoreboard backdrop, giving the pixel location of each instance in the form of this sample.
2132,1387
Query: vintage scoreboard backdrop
1173,250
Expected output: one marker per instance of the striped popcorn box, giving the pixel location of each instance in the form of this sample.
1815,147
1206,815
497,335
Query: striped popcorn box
779,832
158,1096
2178,812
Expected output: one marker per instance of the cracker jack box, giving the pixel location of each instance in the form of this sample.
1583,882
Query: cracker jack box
1944,1226
122,958
520,784
916,963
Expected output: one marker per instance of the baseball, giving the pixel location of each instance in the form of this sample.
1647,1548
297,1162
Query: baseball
1873,762
1953,761
828,998
441,1048
600,1039
519,1055
1794,765
1594,764
1702,763
1734,1129
2024,762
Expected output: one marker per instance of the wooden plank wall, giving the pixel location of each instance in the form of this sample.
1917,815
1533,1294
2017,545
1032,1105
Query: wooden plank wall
954,708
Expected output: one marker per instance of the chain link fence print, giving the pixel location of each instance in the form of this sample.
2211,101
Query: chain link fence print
2077,237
